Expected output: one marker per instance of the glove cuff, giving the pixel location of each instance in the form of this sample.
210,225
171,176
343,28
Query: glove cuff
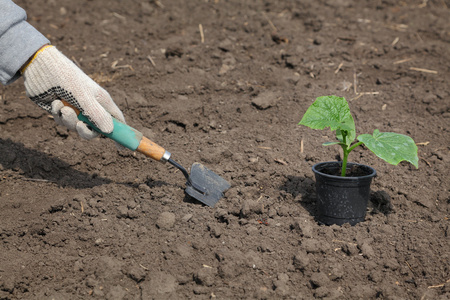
22,70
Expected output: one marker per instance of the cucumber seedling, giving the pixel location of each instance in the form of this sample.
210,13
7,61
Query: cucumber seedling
334,112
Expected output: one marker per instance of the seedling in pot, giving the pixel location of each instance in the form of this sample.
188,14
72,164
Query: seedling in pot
334,112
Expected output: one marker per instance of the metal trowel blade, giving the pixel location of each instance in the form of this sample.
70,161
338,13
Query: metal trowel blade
213,184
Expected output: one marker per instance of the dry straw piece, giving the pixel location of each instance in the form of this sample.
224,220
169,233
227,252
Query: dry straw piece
202,35
423,70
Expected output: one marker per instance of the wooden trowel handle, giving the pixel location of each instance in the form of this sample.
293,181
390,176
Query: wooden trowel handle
128,137
151,149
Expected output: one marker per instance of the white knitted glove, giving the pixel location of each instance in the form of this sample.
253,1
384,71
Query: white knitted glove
50,76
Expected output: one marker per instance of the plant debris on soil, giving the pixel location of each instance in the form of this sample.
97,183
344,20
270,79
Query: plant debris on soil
225,83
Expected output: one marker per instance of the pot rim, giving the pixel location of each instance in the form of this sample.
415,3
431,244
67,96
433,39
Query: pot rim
314,169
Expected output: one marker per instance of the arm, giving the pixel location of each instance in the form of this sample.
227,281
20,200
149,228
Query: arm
18,41
49,76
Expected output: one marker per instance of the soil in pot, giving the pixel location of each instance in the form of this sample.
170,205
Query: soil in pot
340,199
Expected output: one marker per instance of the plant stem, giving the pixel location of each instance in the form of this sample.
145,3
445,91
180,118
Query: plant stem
354,146
345,153
345,156
344,162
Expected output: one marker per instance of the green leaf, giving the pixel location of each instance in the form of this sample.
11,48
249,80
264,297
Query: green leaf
330,143
347,129
326,111
391,147
333,112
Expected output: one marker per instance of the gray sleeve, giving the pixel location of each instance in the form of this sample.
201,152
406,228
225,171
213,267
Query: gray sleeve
18,40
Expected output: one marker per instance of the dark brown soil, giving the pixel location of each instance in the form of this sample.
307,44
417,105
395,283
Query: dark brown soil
78,220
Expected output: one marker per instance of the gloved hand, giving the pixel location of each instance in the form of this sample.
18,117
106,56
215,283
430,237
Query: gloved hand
50,76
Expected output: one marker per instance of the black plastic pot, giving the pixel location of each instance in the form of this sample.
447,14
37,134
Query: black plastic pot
340,199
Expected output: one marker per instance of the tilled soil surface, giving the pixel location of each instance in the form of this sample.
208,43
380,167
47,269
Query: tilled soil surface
225,83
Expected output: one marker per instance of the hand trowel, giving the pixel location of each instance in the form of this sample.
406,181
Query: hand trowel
202,184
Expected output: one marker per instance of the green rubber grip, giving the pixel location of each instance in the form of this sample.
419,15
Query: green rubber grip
122,133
